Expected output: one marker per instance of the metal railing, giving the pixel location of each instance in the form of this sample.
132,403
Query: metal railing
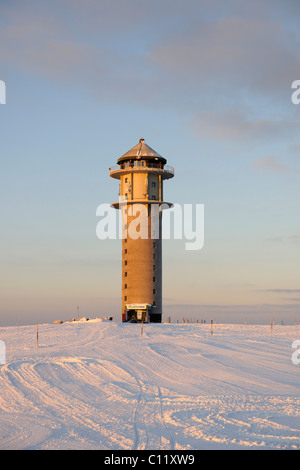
166,168
169,168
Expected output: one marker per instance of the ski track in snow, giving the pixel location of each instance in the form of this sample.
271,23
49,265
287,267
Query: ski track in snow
100,385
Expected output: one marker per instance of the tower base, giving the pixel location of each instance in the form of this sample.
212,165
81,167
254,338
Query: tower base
139,315
155,317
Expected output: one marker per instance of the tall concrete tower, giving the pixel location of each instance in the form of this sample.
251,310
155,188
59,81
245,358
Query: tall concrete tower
141,172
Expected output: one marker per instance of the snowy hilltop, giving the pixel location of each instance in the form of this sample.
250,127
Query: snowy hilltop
106,385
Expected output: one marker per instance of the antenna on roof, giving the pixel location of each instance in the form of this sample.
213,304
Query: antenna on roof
140,149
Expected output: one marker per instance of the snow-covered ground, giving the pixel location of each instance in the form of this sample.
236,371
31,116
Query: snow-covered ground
100,385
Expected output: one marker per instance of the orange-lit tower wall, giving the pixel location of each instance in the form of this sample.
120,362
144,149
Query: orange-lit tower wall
141,172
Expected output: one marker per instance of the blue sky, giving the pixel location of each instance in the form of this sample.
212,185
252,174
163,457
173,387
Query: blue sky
208,85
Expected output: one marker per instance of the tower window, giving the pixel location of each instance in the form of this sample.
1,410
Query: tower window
154,291
153,184
125,262
125,251
153,198
125,286
154,279
125,274
154,255
125,298
154,267
154,244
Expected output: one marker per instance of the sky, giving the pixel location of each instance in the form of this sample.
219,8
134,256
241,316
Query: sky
207,84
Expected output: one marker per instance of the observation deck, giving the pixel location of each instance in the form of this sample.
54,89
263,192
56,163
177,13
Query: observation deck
165,171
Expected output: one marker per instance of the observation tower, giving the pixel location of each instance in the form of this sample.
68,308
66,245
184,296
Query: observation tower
141,172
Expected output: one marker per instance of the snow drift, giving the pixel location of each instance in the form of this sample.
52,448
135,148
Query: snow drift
101,385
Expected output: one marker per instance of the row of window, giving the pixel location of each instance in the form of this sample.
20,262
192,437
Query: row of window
146,163
153,198
154,269
154,290
154,280
125,241
153,184
154,257
125,299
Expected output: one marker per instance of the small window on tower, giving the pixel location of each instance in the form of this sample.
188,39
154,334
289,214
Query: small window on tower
153,184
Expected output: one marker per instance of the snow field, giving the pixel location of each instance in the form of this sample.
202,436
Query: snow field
100,385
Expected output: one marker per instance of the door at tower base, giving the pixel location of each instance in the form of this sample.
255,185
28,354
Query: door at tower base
137,313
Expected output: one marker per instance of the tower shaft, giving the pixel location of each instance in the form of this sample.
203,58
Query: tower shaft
141,172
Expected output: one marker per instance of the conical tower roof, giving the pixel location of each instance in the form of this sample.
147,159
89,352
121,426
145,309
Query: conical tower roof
141,151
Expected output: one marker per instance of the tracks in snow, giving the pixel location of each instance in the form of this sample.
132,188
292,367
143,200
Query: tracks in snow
150,428
103,387
82,392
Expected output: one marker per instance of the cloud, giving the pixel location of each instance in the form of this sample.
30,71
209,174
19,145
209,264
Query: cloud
295,148
234,124
274,239
74,47
270,163
175,54
280,290
252,53
293,239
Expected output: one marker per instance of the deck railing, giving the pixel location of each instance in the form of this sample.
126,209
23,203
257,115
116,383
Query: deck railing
153,166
